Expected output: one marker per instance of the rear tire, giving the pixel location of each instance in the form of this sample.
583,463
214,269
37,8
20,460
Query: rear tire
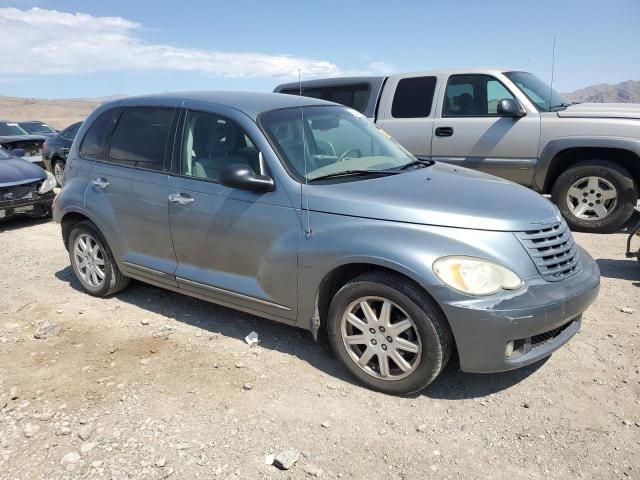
424,347
93,263
58,171
596,196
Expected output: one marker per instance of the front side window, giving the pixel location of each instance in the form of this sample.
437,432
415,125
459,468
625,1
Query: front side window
211,142
141,136
318,141
413,97
473,96
352,96
93,143
4,155
7,128
542,95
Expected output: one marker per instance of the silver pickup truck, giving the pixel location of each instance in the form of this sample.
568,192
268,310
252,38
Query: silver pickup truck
510,124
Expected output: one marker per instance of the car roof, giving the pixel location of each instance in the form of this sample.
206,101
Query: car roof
250,103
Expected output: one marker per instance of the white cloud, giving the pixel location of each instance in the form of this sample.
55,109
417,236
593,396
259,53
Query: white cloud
39,41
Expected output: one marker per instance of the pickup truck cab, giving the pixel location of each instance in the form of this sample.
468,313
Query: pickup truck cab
510,124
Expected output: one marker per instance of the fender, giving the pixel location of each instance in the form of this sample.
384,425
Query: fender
554,147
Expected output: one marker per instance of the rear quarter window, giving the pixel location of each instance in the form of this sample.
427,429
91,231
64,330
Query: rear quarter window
413,97
93,145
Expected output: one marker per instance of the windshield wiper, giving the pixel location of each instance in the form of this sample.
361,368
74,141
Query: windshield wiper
561,105
417,162
347,173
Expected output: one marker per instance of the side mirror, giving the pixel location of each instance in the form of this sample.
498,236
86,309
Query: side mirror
18,152
508,107
241,176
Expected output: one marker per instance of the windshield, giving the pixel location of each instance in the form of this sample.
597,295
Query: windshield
36,127
538,91
335,140
11,129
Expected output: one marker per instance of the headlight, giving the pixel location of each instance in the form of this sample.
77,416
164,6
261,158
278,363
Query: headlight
475,276
48,184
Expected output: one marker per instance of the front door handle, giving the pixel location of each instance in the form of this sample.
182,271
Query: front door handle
100,182
444,131
180,198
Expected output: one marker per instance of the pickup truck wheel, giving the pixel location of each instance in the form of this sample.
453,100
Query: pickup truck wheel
388,333
58,171
93,262
595,196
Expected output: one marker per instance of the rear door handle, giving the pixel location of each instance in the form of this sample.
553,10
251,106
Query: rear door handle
444,131
181,198
100,182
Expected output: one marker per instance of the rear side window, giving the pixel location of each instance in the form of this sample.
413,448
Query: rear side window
93,144
352,96
413,97
140,137
69,133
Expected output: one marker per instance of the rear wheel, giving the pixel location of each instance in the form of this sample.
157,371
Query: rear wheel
58,171
93,262
595,196
388,333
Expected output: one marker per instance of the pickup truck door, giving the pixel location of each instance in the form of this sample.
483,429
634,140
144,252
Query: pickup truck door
468,131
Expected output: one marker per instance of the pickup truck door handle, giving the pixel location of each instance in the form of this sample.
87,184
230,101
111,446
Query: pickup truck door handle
444,131
180,198
100,182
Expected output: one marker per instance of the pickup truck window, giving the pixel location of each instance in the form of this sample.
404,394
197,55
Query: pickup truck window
473,96
353,96
413,97
317,141
537,91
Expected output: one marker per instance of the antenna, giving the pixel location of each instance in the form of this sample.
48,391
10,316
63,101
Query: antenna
553,68
305,194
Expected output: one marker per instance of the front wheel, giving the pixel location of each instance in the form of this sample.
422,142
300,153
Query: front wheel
388,333
596,196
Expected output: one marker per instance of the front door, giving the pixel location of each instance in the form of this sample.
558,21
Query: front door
236,246
469,132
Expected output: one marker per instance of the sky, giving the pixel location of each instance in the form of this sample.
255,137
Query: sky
93,48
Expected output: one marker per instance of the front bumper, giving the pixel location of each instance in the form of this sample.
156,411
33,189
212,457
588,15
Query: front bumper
35,207
539,319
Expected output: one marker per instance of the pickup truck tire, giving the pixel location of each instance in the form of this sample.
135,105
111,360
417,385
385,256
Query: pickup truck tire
110,280
399,352
596,196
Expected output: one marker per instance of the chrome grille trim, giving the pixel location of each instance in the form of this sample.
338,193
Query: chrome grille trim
553,251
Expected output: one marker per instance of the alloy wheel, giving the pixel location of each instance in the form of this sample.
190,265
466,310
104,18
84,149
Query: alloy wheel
89,260
592,198
381,338
58,172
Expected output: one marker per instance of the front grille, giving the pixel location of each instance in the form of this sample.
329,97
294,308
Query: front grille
26,191
553,251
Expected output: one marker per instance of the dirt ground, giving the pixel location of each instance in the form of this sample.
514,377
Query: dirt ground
150,384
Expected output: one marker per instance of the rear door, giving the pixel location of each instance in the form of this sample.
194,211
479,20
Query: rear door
237,247
407,112
469,132
129,190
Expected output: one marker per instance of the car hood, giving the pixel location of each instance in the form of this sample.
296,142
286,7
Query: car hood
441,195
602,110
16,171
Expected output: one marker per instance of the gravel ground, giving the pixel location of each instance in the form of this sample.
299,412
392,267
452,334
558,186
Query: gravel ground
150,384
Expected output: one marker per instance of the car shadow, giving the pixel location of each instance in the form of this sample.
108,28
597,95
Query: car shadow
627,269
215,319
14,223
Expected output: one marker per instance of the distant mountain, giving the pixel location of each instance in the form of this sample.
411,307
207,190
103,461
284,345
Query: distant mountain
625,92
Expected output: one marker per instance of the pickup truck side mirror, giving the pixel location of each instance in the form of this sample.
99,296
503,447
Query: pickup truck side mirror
508,107
242,176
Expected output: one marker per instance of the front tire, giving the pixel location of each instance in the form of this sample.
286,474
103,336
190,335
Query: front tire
388,333
595,196
93,262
